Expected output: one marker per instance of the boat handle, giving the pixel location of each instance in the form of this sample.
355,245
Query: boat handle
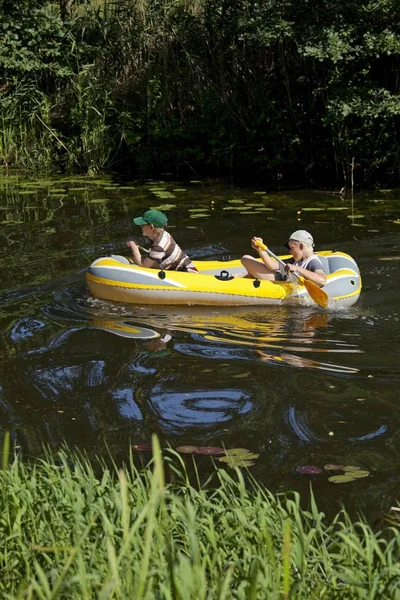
224,276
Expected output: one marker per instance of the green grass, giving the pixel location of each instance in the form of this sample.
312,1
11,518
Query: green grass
74,531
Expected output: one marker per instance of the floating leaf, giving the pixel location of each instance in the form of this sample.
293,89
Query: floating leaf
396,222
142,447
333,467
199,215
358,474
388,258
236,201
164,206
237,451
351,468
186,449
209,450
309,470
340,478
338,208
356,216
312,208
236,461
179,190
241,455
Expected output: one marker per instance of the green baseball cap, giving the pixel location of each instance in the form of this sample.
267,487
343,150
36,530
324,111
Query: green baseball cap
152,217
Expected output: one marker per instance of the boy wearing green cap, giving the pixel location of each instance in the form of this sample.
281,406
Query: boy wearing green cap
164,251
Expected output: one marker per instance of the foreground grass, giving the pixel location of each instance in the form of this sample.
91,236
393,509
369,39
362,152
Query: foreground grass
68,533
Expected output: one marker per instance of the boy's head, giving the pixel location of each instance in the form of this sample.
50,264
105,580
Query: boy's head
302,236
152,217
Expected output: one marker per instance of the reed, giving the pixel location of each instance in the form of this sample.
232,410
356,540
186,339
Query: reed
73,530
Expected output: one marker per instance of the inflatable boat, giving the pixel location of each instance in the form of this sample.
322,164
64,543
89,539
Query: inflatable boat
116,278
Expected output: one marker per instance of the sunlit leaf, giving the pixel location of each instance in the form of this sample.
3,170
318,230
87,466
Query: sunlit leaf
351,468
389,258
338,208
164,207
236,461
355,216
237,451
358,474
340,478
209,450
186,449
312,208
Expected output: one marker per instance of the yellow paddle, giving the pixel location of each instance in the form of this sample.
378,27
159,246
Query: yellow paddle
316,293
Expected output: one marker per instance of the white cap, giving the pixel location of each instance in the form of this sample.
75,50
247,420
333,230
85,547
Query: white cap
301,235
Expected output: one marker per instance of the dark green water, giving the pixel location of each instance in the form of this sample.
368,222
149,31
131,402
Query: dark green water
296,385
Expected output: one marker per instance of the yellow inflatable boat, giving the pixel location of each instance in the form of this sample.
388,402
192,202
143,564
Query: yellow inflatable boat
116,278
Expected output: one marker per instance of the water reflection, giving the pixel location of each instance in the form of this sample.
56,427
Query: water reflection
296,385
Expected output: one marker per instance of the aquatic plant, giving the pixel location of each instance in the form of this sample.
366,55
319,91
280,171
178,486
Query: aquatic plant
75,530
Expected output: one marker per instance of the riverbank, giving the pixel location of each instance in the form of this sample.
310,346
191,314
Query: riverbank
72,530
283,92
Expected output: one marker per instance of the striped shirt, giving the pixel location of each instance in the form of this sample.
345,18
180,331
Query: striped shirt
166,252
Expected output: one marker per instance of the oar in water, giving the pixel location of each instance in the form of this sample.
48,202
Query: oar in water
316,293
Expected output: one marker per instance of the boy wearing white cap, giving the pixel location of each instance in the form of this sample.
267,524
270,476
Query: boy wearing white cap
304,261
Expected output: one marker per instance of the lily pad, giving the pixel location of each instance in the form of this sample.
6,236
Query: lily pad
356,216
338,208
209,450
142,447
358,474
389,258
333,467
237,452
187,449
236,461
164,206
309,470
312,208
351,468
340,478
199,215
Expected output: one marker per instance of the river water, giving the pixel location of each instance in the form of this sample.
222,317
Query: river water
298,386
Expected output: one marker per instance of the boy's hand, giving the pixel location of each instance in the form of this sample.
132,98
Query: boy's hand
131,244
257,243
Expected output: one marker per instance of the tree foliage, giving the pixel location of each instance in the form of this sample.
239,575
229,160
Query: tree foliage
292,89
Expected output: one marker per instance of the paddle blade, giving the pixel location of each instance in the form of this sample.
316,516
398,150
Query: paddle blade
317,294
